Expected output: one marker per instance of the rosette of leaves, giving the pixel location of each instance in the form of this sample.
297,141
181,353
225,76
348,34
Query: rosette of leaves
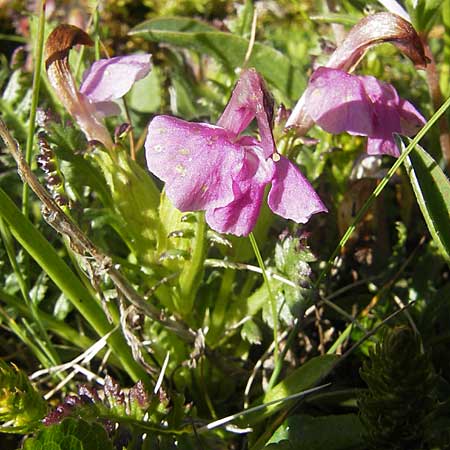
399,399
21,406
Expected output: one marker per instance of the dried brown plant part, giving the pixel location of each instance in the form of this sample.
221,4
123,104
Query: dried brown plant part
56,54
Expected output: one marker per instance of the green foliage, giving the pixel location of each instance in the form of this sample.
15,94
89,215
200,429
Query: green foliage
400,380
209,284
305,377
71,434
228,49
21,406
292,258
303,432
432,190
423,13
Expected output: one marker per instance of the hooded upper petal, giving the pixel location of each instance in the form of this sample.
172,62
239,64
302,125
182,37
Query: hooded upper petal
110,79
240,216
291,195
197,161
250,99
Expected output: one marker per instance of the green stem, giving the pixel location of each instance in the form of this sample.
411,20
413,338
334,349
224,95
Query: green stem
273,303
34,100
46,346
58,327
379,189
49,260
361,213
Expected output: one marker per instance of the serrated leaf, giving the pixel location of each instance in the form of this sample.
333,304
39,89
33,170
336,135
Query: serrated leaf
70,434
251,332
226,48
432,190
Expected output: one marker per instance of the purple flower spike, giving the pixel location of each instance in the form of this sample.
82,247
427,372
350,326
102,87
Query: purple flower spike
211,168
110,79
360,105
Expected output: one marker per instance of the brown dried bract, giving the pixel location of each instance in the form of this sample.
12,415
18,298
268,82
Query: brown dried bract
61,40
377,29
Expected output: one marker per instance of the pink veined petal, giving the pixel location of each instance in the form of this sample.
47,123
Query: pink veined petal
337,102
382,146
240,216
197,162
110,79
250,99
291,195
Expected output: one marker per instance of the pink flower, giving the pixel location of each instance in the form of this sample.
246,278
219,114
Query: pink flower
105,81
360,105
213,168
110,79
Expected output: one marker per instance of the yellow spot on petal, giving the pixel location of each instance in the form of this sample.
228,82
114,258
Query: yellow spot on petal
204,188
181,170
276,157
158,148
183,151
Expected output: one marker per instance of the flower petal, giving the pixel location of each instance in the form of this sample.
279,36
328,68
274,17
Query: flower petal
240,216
110,79
291,195
382,146
197,162
337,102
250,99
411,121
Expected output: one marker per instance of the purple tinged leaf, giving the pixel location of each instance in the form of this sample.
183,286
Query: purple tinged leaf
250,99
110,79
291,195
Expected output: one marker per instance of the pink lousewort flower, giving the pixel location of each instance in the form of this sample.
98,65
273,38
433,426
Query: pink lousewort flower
110,79
213,168
105,81
368,32
361,105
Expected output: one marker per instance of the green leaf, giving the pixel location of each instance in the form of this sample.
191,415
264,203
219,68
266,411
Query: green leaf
301,379
70,434
251,332
185,242
337,432
145,97
423,13
56,268
432,190
227,48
